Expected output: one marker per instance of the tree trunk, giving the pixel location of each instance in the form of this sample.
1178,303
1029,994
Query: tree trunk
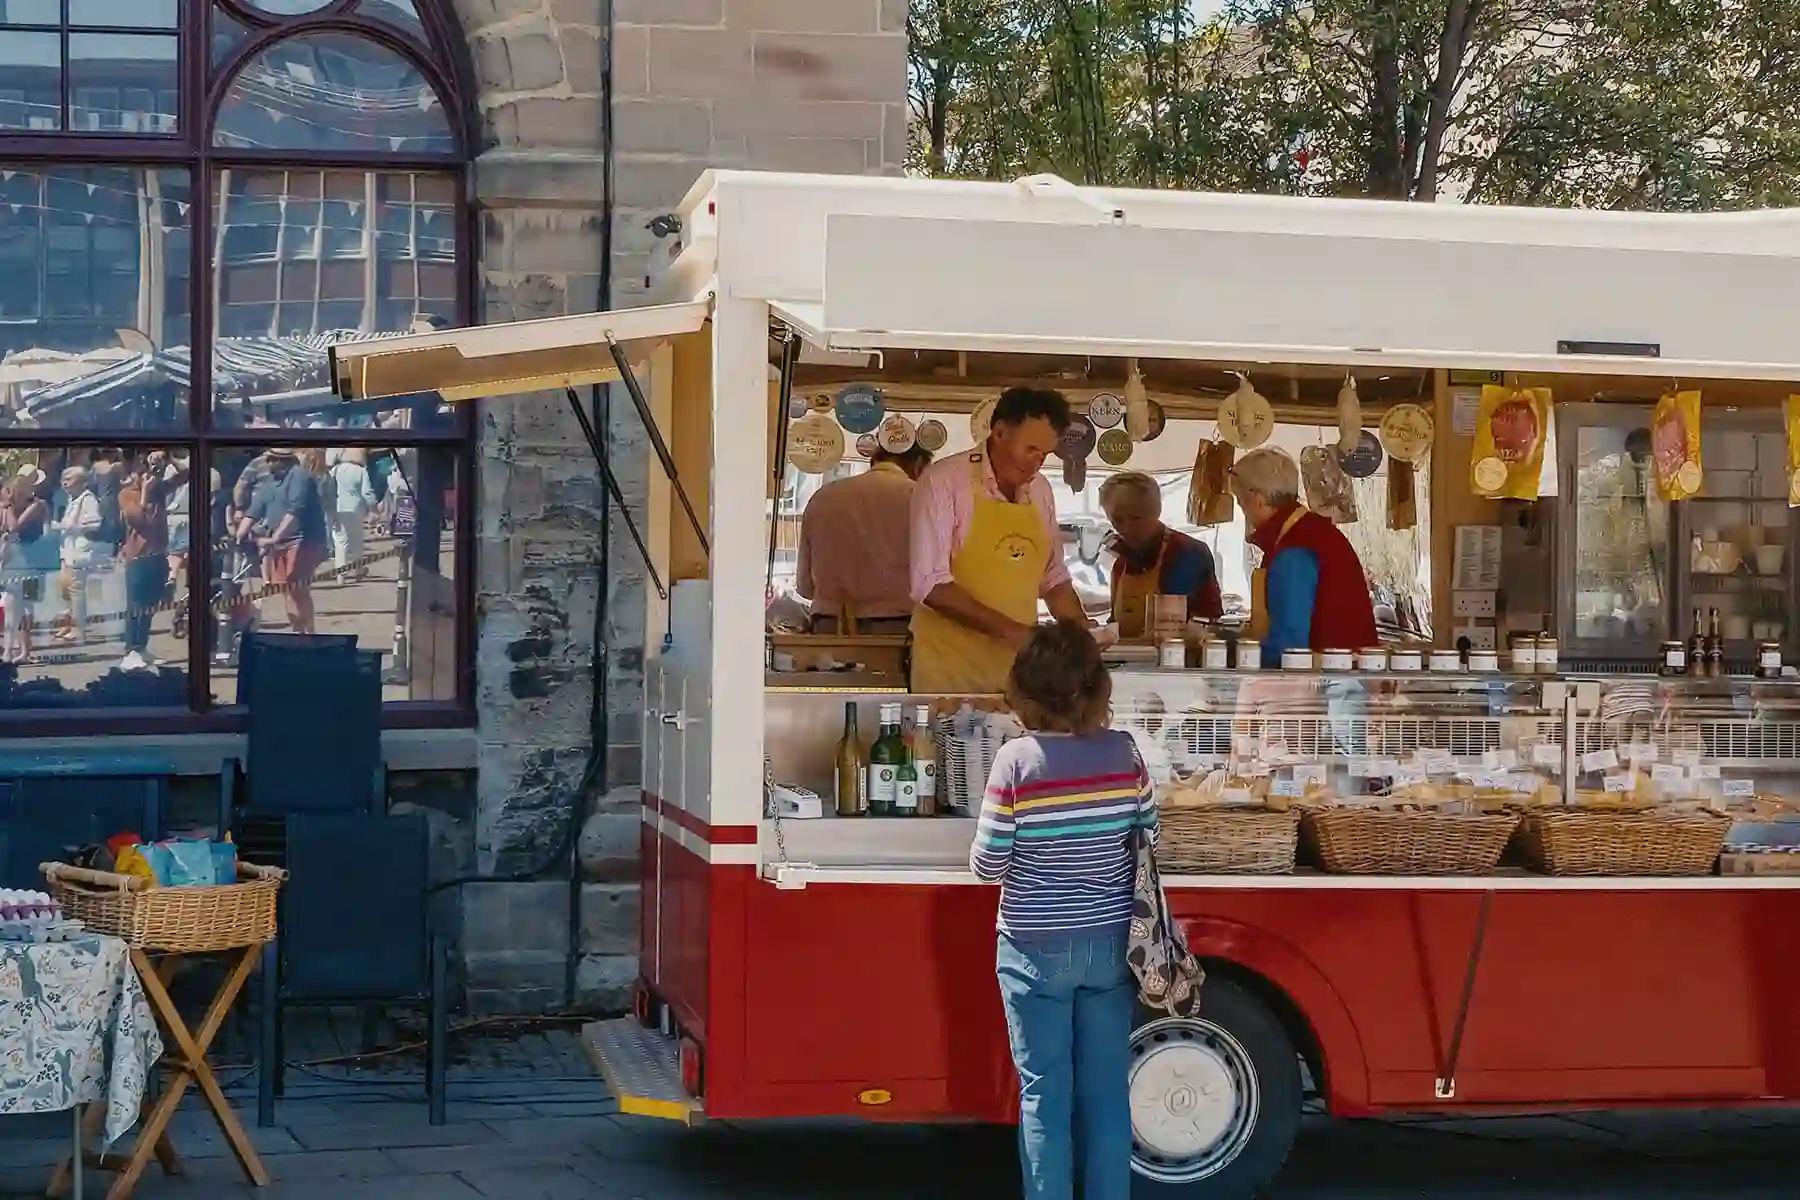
1458,22
1386,176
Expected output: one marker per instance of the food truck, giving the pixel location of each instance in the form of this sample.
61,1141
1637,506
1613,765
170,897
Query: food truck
1532,853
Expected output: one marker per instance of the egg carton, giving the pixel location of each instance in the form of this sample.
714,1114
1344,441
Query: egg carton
38,930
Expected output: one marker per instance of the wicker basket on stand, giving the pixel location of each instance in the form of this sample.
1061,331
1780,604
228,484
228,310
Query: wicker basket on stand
1624,843
177,920
1203,841
1372,841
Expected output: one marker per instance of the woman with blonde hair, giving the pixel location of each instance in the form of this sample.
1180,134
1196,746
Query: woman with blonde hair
349,496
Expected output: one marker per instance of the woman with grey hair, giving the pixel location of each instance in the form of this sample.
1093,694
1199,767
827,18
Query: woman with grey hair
1152,559
1310,591
80,527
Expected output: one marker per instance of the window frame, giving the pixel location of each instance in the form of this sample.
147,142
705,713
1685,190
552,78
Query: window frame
441,57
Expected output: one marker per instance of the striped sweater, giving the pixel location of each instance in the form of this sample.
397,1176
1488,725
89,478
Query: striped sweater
1055,831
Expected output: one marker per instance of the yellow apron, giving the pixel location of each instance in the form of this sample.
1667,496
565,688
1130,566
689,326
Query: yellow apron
1131,593
1259,582
1001,564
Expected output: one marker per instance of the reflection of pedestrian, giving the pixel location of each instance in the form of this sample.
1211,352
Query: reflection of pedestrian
80,525
25,517
295,542
352,496
144,511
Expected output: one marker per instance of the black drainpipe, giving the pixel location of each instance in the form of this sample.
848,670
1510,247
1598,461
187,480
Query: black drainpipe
599,725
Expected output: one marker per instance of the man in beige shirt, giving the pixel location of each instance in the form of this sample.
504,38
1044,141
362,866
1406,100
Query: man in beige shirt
854,546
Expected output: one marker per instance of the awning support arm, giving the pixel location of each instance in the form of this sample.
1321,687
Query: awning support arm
613,489
790,354
629,378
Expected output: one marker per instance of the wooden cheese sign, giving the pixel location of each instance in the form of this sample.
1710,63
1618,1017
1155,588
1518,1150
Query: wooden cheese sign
815,444
1406,432
1245,418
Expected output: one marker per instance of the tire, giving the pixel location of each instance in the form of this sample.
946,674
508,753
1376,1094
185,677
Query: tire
1215,1099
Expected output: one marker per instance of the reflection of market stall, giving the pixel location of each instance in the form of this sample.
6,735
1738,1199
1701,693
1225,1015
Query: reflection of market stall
1386,853
256,381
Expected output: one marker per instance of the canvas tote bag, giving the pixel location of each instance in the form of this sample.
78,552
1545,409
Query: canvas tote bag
1168,975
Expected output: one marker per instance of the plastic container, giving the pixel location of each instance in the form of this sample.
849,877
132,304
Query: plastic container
1296,660
1768,660
1445,662
1524,655
1406,661
1674,659
1172,652
1216,656
1249,654
1372,658
1335,659
1484,661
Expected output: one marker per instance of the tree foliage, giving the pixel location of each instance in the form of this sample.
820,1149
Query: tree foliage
1652,104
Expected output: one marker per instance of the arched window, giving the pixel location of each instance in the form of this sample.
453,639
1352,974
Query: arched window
198,198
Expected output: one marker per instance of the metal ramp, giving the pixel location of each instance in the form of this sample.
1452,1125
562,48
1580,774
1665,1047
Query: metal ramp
643,1069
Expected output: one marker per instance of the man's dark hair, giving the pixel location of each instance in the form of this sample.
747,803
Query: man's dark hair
1020,404
914,457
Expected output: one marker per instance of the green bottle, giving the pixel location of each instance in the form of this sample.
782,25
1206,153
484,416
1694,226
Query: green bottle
886,757
906,784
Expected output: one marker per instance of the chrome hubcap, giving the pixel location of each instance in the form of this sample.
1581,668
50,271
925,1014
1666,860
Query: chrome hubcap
1194,1100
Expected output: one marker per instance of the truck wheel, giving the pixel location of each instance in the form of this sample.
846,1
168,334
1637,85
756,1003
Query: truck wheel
1215,1099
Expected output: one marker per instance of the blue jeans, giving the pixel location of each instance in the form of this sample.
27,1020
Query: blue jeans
1069,1003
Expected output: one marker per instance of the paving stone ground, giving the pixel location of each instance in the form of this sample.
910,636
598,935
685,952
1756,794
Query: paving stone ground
528,1121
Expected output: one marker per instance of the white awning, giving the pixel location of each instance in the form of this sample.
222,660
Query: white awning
1278,296
519,356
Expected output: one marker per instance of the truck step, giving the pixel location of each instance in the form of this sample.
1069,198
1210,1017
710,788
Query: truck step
643,1069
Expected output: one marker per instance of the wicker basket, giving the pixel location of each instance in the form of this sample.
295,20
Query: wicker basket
1369,841
1639,843
1200,841
179,920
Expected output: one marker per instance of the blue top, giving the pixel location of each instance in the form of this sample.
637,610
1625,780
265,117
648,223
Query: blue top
1056,831
1292,587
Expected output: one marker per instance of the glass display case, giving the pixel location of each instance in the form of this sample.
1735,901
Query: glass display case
1256,740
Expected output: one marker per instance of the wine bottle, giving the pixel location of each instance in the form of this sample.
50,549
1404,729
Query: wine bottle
885,757
1696,648
1715,645
924,756
852,796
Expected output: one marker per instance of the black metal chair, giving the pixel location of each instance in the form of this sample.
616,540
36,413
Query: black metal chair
355,929
48,808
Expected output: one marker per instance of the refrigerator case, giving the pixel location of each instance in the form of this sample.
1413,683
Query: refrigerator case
1632,567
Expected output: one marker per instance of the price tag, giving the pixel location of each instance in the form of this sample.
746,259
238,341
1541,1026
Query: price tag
1617,783
1404,775
1546,754
1704,771
1361,768
1236,797
1310,776
1383,768
1437,762
1206,761
1499,760
1600,760
1489,779
1246,745
1740,787
1666,773
1254,770
1638,753
1686,758
1525,783
1286,787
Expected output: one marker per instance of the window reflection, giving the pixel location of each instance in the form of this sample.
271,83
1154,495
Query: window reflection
122,83
138,14
94,298
340,540
30,80
88,606
310,258
333,91
30,12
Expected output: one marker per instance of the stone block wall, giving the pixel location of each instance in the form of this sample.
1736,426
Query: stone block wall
807,85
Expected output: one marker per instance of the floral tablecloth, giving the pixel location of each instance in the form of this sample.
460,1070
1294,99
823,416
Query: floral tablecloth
75,1027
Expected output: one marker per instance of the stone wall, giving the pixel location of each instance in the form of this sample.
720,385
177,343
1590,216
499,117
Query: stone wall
814,85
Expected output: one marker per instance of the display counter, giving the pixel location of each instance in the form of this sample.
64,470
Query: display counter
1599,781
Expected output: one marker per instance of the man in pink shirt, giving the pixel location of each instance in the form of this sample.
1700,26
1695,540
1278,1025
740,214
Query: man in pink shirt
853,546
986,548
